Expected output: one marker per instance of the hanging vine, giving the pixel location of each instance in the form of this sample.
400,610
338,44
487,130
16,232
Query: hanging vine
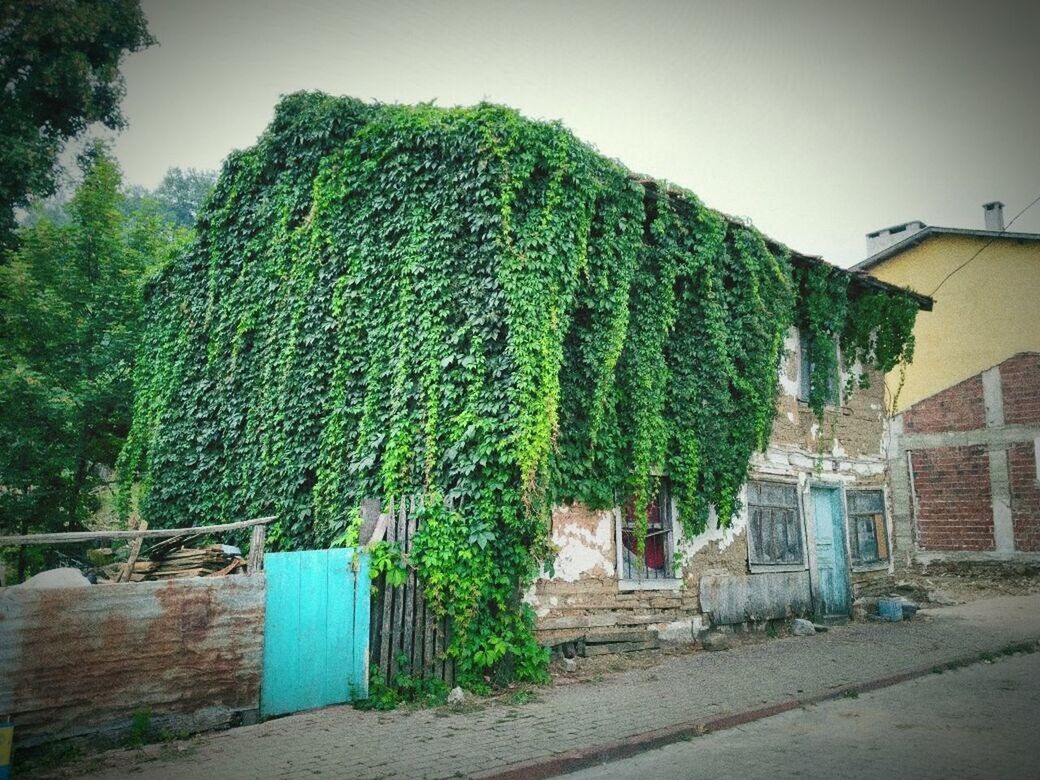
391,300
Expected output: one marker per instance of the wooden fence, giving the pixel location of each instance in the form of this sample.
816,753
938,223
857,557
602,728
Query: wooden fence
406,635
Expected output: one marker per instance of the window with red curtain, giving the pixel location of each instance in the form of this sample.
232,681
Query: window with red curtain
655,563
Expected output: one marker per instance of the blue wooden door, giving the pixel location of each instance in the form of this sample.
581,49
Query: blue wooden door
316,630
832,569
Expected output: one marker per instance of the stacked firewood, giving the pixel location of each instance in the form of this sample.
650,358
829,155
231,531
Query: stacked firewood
216,560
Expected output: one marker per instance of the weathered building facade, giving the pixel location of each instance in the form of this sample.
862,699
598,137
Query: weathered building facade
813,525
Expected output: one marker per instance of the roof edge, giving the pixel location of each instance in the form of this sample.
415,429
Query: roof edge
924,302
928,232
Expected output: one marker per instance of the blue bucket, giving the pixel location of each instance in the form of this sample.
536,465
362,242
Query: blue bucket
890,609
6,737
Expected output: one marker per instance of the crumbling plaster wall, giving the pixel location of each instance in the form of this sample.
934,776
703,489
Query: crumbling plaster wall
582,594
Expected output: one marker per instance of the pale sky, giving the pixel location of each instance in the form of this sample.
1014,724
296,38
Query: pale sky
820,121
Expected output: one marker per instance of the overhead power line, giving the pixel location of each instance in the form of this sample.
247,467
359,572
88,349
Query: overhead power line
984,246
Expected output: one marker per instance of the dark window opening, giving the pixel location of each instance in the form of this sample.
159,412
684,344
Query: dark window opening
656,561
805,376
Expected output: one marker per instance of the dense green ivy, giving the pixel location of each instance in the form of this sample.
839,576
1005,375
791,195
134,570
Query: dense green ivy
869,327
387,300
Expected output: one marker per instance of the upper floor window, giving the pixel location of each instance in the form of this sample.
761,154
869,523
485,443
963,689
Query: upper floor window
805,364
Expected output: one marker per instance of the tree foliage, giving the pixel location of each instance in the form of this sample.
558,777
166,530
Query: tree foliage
179,196
59,67
69,309
385,300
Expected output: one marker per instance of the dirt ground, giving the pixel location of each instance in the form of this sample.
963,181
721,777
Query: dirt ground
941,584
935,585
931,587
526,723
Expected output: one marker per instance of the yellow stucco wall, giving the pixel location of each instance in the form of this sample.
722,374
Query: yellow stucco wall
985,313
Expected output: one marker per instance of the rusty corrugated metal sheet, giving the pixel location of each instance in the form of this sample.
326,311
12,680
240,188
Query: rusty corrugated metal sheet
77,661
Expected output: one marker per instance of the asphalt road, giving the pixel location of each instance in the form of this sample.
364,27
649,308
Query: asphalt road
981,721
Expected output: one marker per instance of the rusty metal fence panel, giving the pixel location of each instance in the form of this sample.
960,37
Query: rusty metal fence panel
80,661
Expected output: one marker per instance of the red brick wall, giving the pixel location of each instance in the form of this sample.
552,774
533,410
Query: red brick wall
1025,496
1020,377
953,494
957,408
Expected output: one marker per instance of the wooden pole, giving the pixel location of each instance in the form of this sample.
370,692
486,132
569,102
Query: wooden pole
135,550
150,533
256,550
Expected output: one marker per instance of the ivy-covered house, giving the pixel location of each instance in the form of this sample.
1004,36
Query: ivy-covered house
575,366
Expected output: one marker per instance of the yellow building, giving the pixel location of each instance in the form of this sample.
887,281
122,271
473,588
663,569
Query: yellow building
986,286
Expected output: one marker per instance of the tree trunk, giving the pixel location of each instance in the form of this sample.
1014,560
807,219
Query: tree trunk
78,480
22,562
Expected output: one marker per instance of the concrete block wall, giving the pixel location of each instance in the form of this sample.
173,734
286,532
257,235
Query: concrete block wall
1024,478
965,481
960,408
954,498
1020,377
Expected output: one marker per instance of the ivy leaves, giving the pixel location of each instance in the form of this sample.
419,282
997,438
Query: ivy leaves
872,328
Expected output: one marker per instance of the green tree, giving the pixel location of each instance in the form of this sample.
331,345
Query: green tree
179,196
69,305
182,192
59,68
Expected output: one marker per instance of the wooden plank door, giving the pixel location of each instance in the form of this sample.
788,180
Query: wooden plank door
316,630
832,568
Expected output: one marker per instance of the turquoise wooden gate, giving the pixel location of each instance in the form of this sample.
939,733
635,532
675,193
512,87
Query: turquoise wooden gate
832,569
316,630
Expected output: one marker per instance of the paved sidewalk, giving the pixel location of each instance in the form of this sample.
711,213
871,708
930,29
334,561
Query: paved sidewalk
621,710
976,722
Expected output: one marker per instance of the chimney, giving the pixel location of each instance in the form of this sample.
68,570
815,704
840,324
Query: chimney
886,237
994,214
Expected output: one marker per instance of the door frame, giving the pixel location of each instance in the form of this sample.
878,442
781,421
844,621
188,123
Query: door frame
810,531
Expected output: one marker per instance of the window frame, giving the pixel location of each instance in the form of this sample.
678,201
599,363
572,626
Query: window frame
765,568
836,400
675,579
882,563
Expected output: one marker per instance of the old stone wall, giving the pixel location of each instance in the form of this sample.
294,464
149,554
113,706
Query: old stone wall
964,467
82,661
851,430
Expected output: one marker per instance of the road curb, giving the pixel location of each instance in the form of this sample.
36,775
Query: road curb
582,758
